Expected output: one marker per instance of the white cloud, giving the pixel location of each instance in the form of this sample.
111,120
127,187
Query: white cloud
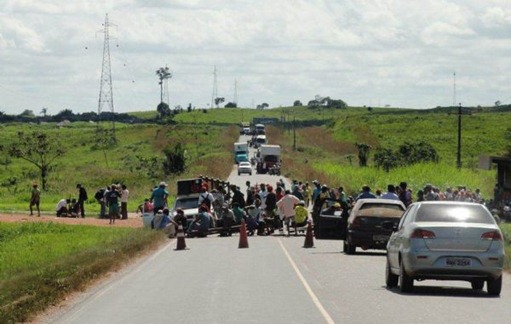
402,52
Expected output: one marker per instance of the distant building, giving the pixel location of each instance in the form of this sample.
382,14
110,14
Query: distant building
503,175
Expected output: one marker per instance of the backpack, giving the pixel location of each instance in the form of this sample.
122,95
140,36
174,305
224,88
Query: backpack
206,201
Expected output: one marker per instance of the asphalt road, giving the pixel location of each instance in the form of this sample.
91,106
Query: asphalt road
275,280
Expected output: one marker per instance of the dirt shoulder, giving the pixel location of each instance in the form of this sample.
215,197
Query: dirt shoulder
133,220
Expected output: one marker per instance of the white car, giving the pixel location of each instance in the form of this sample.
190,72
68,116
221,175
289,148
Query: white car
244,167
446,240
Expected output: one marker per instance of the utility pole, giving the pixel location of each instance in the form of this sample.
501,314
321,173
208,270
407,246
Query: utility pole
105,86
454,89
458,155
294,133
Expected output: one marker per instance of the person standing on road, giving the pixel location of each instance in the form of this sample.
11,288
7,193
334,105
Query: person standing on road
237,197
271,202
286,206
35,199
159,197
82,198
124,201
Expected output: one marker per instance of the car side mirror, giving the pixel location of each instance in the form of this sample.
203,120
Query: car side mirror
389,225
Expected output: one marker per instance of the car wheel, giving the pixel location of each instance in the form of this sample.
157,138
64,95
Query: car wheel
350,249
477,284
405,281
494,286
345,247
391,279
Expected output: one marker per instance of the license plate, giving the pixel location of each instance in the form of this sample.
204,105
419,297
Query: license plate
458,262
381,237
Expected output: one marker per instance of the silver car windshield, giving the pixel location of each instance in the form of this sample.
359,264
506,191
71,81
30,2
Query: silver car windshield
454,214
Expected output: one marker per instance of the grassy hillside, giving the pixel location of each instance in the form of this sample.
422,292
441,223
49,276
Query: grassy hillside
325,150
93,167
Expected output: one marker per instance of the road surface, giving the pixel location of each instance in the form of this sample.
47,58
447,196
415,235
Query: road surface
275,280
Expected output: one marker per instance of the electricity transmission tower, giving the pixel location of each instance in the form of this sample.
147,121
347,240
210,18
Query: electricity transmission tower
235,99
106,97
215,88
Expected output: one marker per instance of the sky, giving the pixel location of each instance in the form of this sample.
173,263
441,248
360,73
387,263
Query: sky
400,53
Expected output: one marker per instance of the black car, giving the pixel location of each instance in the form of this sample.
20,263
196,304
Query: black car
365,228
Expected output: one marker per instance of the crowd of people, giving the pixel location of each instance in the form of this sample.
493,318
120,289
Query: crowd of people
264,207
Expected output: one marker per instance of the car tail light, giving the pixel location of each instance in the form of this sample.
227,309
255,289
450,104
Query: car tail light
424,234
492,236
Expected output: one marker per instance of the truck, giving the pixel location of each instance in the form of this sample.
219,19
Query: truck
240,152
188,191
268,157
260,129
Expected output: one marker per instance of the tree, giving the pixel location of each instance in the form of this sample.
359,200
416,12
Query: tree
39,149
27,113
163,74
219,100
44,112
175,160
363,153
231,105
297,103
163,110
386,159
497,103
104,140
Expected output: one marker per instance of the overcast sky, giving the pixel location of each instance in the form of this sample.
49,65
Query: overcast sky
401,53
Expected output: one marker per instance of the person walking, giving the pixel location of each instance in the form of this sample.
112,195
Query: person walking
82,197
159,197
286,206
35,199
124,201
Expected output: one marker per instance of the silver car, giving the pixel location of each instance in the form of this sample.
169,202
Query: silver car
446,240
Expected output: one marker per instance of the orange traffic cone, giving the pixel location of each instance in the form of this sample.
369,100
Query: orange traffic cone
181,244
309,241
243,235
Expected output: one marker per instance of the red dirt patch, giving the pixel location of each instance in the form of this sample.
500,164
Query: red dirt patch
133,221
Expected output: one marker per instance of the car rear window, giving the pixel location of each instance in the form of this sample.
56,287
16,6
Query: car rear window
454,214
187,203
380,210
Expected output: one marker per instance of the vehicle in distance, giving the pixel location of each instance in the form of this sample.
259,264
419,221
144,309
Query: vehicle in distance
244,167
259,140
364,226
240,152
446,240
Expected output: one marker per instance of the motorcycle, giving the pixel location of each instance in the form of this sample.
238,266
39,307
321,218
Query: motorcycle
274,170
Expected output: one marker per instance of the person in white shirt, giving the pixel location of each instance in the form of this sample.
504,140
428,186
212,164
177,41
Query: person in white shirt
62,207
124,202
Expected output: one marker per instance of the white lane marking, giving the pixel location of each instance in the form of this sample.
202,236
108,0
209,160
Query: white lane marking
313,296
